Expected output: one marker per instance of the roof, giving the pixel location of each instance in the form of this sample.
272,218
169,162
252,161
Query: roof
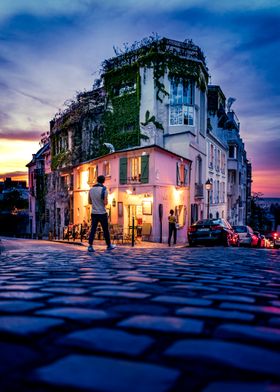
135,149
39,154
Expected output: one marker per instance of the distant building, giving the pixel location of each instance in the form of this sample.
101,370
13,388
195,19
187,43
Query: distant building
38,167
239,169
217,153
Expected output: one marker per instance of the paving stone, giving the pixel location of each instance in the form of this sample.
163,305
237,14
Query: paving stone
110,287
102,374
15,356
140,279
18,306
74,313
182,300
109,340
193,287
241,387
23,287
215,313
23,295
246,332
76,300
251,308
230,297
66,290
275,303
26,325
140,309
123,294
238,355
274,321
163,324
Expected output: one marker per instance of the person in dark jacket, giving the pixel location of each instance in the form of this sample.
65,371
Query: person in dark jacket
98,198
172,227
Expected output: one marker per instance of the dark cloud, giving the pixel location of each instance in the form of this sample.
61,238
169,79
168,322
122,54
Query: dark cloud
38,99
21,135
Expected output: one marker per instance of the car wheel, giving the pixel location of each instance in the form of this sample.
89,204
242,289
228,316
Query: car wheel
191,244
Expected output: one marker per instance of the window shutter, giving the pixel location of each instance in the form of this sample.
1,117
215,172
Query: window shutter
178,180
186,182
145,169
182,174
123,170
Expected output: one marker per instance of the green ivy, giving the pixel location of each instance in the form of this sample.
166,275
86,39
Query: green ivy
121,121
152,119
60,159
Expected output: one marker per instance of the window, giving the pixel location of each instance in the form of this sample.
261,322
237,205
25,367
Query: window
182,102
232,151
202,113
134,169
92,174
211,156
218,163
182,174
223,163
106,169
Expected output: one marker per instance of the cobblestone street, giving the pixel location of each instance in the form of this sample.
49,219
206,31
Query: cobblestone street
203,319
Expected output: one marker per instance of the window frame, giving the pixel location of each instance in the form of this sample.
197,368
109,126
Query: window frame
181,103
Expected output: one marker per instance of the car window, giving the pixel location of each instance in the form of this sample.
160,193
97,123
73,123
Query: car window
240,229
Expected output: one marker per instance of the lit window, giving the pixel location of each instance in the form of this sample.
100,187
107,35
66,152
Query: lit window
106,169
181,103
135,166
92,174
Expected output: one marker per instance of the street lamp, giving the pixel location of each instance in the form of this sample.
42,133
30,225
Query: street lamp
208,186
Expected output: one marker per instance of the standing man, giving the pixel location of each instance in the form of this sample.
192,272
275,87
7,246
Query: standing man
172,227
98,198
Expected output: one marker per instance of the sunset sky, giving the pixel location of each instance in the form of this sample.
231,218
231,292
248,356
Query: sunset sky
51,49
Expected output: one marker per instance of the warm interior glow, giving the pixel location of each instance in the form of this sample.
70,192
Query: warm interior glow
84,179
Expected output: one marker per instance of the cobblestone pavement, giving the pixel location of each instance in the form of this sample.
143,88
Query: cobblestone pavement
138,319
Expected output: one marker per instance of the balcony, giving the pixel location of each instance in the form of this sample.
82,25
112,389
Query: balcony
198,191
134,179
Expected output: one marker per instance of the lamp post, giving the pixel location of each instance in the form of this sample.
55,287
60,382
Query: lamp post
208,186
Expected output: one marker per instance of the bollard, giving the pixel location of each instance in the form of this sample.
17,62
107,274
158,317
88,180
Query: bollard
132,237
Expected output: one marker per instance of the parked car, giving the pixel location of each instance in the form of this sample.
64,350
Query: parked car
209,231
246,235
275,239
261,239
270,239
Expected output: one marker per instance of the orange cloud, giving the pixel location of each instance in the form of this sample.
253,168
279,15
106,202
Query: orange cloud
266,182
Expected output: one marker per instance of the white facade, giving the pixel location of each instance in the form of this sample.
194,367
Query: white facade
183,117
216,172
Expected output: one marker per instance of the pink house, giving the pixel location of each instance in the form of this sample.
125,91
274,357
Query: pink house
144,184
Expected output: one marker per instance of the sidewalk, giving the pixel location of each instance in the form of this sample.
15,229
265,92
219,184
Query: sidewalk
100,244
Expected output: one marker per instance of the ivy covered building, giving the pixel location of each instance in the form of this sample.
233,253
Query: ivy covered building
153,93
